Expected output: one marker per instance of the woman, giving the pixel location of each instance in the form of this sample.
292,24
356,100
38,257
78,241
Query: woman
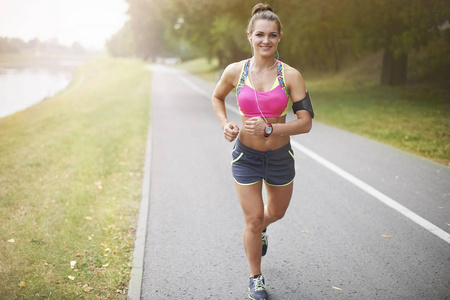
265,87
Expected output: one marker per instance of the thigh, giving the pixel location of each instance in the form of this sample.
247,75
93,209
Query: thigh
250,197
278,198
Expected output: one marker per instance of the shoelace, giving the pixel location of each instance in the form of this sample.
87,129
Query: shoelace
259,284
264,238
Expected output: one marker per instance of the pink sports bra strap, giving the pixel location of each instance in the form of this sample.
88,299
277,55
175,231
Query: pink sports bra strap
244,75
281,78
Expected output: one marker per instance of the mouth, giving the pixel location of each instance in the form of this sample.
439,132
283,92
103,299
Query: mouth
266,47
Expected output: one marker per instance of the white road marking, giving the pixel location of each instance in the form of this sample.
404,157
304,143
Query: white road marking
374,192
349,177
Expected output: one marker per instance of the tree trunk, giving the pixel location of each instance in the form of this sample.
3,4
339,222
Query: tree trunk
394,68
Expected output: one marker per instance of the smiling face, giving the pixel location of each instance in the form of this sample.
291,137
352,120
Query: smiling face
265,37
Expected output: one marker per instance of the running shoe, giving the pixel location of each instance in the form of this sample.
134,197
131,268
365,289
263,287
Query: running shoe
257,288
265,242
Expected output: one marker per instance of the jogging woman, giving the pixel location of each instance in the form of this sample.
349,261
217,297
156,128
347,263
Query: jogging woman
265,88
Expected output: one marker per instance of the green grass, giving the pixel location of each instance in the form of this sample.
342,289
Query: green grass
202,67
414,117
70,181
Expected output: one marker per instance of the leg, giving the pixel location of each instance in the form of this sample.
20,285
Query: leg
250,197
278,199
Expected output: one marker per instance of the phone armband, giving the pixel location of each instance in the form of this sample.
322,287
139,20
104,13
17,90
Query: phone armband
304,104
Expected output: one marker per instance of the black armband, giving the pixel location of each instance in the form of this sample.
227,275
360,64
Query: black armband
304,104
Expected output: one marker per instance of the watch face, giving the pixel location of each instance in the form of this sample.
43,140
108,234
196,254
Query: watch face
268,129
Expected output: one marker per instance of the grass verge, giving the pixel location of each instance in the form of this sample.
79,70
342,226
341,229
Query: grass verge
206,69
414,117
70,180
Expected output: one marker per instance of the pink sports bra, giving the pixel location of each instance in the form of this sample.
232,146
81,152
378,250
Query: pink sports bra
273,103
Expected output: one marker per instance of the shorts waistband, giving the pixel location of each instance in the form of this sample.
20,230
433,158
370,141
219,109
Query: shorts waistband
244,148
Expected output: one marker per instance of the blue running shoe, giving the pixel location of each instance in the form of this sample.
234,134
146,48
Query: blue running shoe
257,288
265,242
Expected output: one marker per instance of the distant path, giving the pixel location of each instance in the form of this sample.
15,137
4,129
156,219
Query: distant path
330,244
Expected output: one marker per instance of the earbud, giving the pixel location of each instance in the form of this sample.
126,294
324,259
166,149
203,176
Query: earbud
279,40
250,39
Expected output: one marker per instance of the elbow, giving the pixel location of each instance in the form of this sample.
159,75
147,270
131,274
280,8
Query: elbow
308,126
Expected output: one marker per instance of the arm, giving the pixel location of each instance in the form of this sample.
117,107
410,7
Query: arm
226,83
297,89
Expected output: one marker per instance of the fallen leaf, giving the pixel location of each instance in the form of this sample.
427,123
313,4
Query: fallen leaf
44,296
22,284
99,185
72,264
88,289
11,241
304,231
89,237
336,288
105,265
386,236
87,218
71,277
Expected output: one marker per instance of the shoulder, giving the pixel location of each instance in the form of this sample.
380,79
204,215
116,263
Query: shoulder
232,72
294,83
291,73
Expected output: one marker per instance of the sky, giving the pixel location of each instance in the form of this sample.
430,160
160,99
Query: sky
89,22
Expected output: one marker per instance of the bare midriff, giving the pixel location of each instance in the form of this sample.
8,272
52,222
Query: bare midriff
261,143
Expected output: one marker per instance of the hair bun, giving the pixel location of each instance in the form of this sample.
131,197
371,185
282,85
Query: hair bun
260,7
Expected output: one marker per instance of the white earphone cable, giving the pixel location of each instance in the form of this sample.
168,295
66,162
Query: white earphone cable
256,97
259,77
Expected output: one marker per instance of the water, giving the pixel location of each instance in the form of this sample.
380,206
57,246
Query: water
21,88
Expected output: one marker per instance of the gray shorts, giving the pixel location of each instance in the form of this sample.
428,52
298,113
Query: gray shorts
276,167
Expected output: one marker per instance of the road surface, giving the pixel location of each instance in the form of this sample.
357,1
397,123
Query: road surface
366,221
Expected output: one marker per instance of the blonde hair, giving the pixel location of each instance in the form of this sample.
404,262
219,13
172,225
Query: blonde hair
263,12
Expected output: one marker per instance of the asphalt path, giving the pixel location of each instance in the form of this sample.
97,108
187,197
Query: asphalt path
366,221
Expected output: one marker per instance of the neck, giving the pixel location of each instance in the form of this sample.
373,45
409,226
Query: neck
262,63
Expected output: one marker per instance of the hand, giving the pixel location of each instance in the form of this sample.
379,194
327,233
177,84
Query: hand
255,126
230,131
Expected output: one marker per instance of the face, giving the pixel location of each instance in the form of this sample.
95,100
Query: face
265,37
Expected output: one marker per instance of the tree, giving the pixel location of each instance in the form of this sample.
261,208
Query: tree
147,27
315,33
215,29
121,44
396,27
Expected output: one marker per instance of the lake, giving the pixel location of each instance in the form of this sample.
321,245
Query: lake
23,86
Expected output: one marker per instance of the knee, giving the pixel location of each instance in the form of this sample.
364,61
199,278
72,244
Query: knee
275,215
255,223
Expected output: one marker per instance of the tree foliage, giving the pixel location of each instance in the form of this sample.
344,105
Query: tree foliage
317,34
397,27
121,44
16,45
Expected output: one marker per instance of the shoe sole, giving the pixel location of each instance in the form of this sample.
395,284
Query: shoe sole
257,299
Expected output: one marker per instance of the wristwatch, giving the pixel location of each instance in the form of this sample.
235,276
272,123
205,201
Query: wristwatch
268,130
